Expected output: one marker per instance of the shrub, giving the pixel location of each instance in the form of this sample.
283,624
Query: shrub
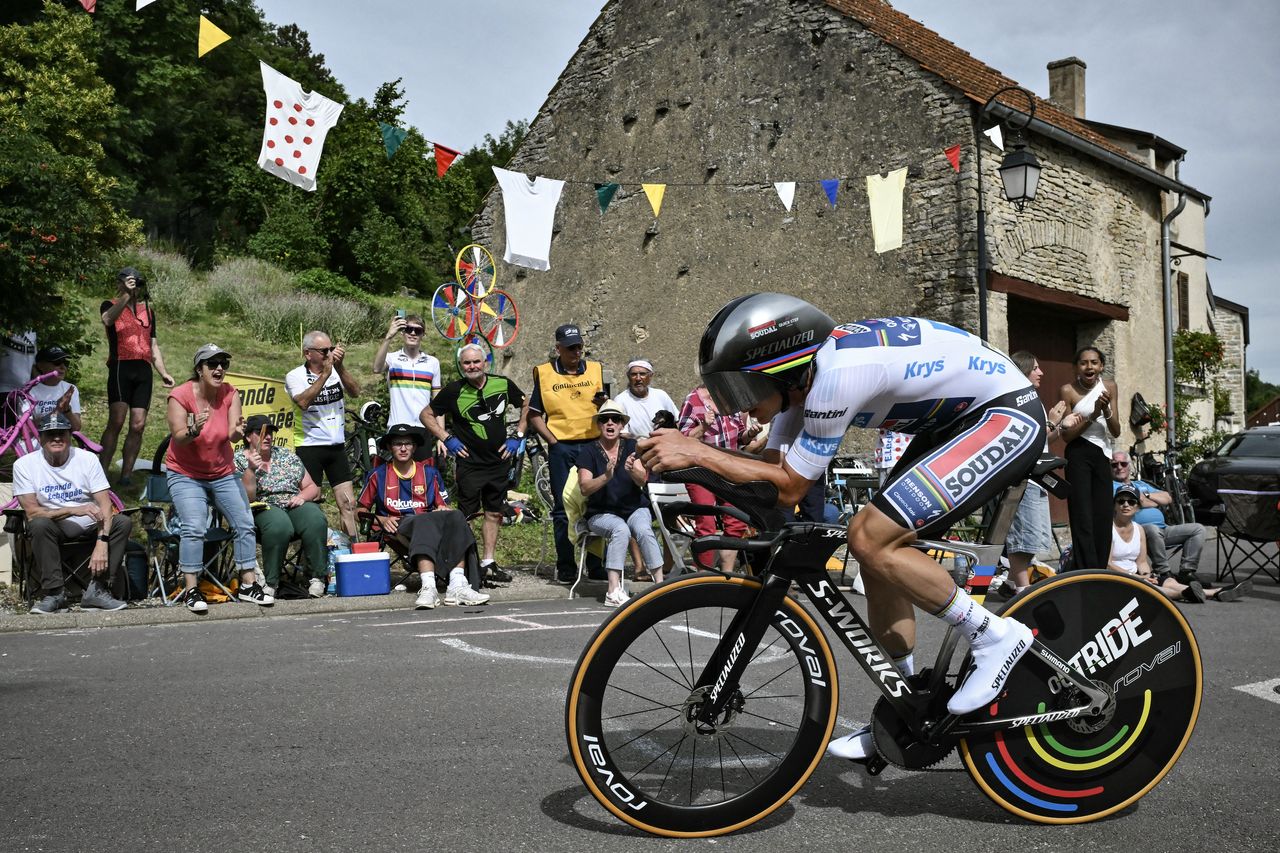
278,317
238,285
290,237
325,283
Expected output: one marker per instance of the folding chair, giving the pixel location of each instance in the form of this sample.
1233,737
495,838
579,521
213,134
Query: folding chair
668,493
26,576
1248,534
161,527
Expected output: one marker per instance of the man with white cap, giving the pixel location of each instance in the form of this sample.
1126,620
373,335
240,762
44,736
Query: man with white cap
640,401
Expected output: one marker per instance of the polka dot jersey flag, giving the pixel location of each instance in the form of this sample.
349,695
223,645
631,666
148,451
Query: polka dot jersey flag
296,125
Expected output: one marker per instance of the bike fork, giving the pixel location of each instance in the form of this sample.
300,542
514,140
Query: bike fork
718,683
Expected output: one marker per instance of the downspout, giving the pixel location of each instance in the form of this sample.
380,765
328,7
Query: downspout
1167,281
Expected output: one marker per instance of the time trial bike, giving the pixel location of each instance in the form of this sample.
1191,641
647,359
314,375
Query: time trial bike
703,705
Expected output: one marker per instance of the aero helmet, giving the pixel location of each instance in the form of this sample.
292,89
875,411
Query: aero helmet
758,345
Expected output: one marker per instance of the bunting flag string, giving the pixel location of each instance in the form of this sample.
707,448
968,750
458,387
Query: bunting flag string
786,192
830,186
655,192
210,37
444,158
392,136
953,157
604,195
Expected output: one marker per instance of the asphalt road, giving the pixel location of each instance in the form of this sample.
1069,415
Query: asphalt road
398,731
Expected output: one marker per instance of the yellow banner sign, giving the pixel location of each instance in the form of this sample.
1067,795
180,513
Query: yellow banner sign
262,396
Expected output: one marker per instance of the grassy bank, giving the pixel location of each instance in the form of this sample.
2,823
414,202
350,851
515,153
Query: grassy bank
255,311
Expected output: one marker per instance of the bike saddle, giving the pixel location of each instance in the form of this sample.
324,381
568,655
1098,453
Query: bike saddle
758,499
1045,464
1044,473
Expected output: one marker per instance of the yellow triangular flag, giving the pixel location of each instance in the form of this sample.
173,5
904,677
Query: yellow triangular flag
655,192
210,36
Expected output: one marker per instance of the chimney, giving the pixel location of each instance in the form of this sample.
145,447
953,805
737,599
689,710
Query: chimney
1066,85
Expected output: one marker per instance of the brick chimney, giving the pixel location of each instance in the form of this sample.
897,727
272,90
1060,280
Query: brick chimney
1066,85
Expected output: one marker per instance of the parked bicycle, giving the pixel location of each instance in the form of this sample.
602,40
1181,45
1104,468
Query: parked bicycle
702,705
363,431
1164,470
22,437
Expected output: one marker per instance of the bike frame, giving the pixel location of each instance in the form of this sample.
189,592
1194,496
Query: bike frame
799,553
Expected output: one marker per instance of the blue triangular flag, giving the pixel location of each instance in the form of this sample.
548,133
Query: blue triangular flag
392,136
830,186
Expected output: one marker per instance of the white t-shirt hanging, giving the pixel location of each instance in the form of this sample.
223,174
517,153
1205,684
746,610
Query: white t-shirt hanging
530,211
324,421
47,397
297,123
72,484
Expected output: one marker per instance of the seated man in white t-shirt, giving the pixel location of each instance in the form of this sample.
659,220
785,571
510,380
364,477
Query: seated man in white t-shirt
640,401
55,393
64,494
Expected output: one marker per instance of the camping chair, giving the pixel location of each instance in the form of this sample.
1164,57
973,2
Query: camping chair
676,549
161,526
26,576
1248,533
584,541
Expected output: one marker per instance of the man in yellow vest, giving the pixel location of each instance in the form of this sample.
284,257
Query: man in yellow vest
567,390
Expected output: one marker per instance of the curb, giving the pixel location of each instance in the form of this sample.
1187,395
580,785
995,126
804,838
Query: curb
526,588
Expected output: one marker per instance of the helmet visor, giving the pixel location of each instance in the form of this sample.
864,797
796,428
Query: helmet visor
736,391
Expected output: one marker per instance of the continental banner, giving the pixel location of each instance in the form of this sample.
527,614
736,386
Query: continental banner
262,396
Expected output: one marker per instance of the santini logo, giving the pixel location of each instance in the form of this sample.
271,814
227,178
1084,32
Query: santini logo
825,416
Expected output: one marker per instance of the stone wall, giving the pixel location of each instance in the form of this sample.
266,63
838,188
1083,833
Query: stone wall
1230,330
711,96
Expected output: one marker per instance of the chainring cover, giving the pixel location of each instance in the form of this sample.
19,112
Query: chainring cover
898,745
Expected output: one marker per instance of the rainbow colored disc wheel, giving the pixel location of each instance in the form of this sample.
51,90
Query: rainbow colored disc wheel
475,270
1127,638
499,320
453,311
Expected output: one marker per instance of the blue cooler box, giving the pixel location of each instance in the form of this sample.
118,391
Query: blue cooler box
364,574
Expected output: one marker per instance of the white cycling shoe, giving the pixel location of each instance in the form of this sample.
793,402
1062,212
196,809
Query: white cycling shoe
856,746
990,669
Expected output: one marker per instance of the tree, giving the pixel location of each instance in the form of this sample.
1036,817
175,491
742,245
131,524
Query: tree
1257,393
60,212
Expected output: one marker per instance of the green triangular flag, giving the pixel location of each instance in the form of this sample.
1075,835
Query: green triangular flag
604,195
392,136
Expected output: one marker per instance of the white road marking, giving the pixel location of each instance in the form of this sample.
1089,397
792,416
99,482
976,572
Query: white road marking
504,631
464,646
503,615
1263,690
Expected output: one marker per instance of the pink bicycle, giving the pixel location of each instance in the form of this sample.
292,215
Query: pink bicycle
22,437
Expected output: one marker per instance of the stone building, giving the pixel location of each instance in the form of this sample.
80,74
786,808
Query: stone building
718,99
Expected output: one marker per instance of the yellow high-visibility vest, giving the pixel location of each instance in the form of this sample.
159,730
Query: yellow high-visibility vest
567,404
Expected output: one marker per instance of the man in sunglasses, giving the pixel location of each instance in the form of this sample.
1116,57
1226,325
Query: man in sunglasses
1160,535
476,407
567,391
412,377
319,387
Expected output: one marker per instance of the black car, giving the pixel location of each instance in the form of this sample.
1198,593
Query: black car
1253,451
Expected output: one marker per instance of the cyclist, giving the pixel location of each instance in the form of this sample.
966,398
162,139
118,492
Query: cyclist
978,427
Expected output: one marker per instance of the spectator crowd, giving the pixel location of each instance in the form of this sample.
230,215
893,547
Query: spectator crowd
270,495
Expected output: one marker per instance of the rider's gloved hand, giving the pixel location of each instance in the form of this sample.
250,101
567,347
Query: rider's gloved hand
454,445
512,446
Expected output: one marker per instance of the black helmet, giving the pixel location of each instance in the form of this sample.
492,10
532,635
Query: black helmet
757,345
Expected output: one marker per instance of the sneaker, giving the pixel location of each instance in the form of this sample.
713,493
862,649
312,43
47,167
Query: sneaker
268,589
401,588
496,574
855,746
463,594
255,594
990,668
427,599
566,576
50,604
194,600
617,598
315,588
99,597
1194,593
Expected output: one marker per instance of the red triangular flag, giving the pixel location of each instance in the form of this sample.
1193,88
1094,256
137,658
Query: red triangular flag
89,5
953,154
444,158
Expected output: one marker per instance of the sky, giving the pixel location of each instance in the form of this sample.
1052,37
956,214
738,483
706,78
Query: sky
1194,73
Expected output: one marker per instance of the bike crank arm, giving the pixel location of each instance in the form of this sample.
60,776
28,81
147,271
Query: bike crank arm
718,683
